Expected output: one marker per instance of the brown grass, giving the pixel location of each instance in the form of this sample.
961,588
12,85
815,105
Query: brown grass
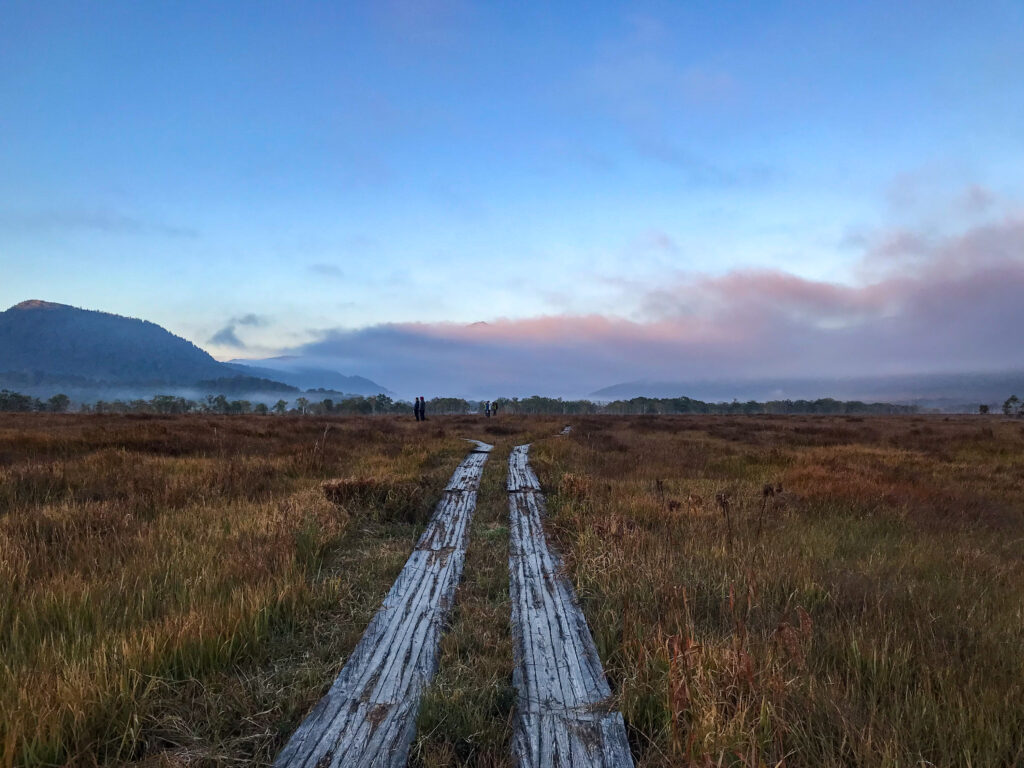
183,589
864,611
182,586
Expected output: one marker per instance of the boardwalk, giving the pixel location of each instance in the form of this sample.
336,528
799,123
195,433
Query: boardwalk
368,717
564,711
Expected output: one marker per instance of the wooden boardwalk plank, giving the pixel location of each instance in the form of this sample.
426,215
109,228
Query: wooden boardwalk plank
520,473
564,710
368,717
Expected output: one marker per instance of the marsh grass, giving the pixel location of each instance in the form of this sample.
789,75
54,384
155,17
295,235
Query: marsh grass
183,590
180,589
865,612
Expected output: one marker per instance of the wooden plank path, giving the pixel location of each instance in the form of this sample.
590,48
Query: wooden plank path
368,717
564,712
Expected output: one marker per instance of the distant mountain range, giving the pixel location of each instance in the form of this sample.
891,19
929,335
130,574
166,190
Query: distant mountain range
945,391
47,347
292,370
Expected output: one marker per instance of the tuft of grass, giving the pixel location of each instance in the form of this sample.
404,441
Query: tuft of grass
388,496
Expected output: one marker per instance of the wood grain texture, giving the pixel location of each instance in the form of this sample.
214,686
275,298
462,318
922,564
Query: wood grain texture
368,717
565,714
520,474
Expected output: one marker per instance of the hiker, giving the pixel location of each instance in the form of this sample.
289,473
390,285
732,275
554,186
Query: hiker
416,408
423,409
494,408
487,408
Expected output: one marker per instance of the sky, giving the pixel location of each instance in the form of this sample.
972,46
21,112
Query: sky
526,196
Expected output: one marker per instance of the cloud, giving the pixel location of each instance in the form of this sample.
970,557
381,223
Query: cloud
949,303
326,270
69,220
226,337
641,75
976,199
252,319
644,82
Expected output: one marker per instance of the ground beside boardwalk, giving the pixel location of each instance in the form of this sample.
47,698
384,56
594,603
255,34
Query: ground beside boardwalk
182,591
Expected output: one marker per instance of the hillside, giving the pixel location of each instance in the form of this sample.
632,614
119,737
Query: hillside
295,372
47,347
38,337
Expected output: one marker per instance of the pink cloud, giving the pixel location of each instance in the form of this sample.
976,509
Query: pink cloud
956,305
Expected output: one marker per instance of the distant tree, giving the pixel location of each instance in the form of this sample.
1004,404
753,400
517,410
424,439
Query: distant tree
15,401
983,409
261,409
447,406
58,403
302,404
357,404
382,403
505,405
1010,405
281,406
171,404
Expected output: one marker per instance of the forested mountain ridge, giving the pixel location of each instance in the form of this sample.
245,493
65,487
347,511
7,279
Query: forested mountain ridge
47,346
65,341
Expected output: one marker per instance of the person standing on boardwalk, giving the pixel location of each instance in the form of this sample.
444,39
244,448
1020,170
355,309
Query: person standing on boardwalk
416,409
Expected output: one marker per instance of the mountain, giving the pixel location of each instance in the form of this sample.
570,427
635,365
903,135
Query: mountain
293,371
39,337
945,391
47,348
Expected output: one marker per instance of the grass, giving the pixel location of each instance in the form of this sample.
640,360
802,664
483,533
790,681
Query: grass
182,588
866,610
762,590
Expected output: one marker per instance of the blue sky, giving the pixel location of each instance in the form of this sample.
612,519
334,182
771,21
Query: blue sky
299,172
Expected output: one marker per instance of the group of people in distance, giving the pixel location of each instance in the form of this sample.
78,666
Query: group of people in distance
419,409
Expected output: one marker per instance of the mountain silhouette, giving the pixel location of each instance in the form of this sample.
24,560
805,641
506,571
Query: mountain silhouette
43,344
40,337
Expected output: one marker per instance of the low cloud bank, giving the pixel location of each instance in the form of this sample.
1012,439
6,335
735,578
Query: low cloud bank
924,303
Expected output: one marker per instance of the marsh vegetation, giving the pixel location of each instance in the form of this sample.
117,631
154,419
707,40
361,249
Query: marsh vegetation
762,590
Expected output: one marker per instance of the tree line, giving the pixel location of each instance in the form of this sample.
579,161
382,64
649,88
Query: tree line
1013,406
383,404
687,405
15,401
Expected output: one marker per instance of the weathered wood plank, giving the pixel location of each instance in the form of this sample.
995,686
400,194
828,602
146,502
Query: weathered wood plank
368,717
520,473
564,711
